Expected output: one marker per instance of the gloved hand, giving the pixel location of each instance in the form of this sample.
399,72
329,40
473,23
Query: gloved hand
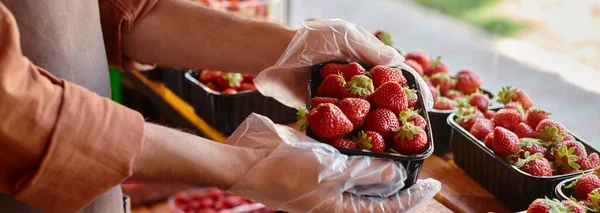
299,174
321,41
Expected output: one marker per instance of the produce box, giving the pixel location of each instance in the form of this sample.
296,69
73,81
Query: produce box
174,79
212,200
509,184
412,162
225,112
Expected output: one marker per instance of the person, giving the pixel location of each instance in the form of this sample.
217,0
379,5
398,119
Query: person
65,147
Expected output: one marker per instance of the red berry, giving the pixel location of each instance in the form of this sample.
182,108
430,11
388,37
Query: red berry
331,68
413,116
584,185
490,114
510,94
382,74
355,109
229,91
481,101
314,102
443,82
248,79
333,86
532,146
351,69
468,82
247,87
415,65
342,143
574,206
391,96
507,118
207,76
489,141
385,37
535,165
466,116
230,80
550,130
328,121
443,103
410,139
524,131
360,86
437,66
535,116
546,206
371,140
411,97
481,128
382,121
505,142
421,57
594,160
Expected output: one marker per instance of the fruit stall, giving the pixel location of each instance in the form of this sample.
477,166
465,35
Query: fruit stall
493,151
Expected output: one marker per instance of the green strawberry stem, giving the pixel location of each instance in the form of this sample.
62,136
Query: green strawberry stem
360,85
436,62
528,158
301,118
507,94
363,141
411,94
234,79
565,159
407,131
594,197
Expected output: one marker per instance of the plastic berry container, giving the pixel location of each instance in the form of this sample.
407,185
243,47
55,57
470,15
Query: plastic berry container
191,201
226,112
174,79
412,163
513,187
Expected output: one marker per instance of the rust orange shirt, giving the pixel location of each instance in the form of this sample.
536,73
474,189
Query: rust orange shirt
61,146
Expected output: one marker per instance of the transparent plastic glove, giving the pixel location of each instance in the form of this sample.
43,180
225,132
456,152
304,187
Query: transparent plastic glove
321,41
299,174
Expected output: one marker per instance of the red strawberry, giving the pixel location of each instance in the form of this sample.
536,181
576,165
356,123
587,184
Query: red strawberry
382,74
505,142
579,148
532,146
351,69
411,97
360,86
490,114
507,118
546,206
342,143
574,207
513,105
370,140
585,164
247,87
413,116
355,109
593,200
331,68
568,138
230,80
326,121
382,121
594,160
213,86
314,102
535,165
481,128
443,103
391,96
434,92
466,117
229,91
416,66
584,185
510,94
535,116
385,37
455,95
468,82
443,82
489,140
550,130
421,57
207,76
437,66
248,79
524,131
410,139
332,86
479,100
565,159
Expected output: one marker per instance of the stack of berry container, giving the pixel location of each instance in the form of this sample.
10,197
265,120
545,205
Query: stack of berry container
412,163
513,187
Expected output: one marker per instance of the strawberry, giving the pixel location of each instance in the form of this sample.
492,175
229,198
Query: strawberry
360,86
385,37
594,160
415,65
382,121
230,80
351,69
443,82
331,69
584,185
443,103
535,165
437,66
355,109
326,121
593,201
207,76
391,96
565,160
524,131
413,116
455,95
434,92
421,57
546,206
247,87
382,74
574,207
370,140
314,102
490,114
410,139
411,97
229,91
579,148
532,146
507,118
479,100
466,117
568,138
481,128
585,164
213,86
510,94
489,140
467,81
535,116
248,78
342,143
550,130
505,142
332,86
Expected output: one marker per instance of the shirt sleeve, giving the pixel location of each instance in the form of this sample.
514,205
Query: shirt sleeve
61,146
118,17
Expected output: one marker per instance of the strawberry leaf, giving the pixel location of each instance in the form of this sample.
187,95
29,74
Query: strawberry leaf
507,94
360,85
301,118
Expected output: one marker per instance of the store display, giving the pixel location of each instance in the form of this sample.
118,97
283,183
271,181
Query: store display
207,200
362,118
